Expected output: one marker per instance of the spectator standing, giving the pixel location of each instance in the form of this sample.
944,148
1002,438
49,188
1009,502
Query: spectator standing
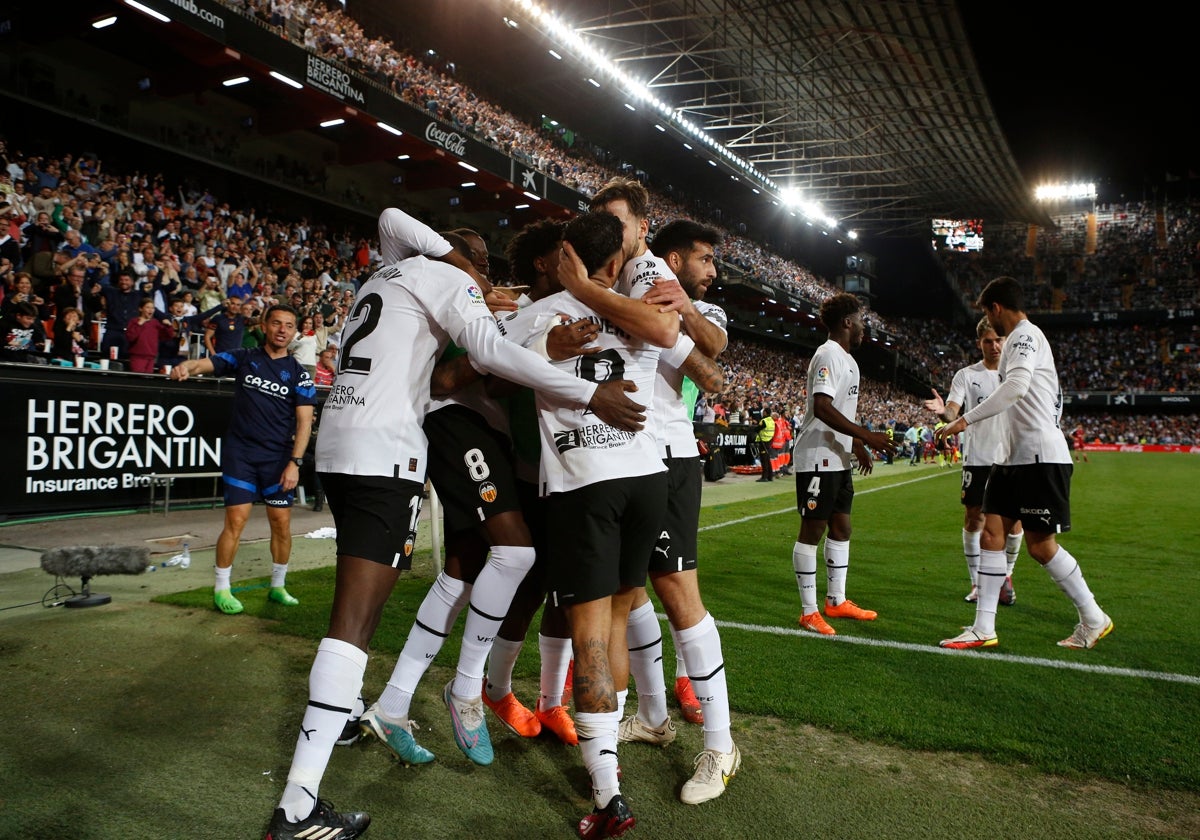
225,330
304,345
263,448
326,368
144,334
766,433
22,335
1032,484
121,303
824,471
69,334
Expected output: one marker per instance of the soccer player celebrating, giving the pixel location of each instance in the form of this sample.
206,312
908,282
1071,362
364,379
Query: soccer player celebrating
1032,484
984,446
824,474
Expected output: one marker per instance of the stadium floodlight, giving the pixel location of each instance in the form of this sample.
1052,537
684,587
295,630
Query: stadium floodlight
687,146
790,196
510,23
1065,192
235,81
521,207
146,10
104,22
403,157
333,122
466,184
390,129
534,196
630,107
593,82
659,127
468,166
558,57
287,81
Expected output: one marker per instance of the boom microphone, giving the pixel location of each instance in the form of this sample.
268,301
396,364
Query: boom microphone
87,561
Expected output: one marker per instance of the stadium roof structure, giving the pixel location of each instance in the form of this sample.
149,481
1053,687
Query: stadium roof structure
874,109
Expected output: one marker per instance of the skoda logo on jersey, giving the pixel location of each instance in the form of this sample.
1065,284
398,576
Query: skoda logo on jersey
474,294
488,492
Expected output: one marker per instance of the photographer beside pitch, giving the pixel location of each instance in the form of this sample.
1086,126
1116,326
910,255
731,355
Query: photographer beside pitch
263,449
1032,484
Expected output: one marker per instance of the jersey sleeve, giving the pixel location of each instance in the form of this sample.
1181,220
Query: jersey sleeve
401,236
958,390
822,378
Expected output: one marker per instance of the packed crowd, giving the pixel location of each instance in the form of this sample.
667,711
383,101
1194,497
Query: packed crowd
1144,256
91,246
433,86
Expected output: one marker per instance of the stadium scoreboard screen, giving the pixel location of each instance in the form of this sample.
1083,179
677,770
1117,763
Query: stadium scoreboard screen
958,234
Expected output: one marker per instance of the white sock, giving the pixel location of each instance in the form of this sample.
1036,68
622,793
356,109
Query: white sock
556,659
1012,550
1064,571
622,696
970,541
644,637
435,617
837,563
278,574
701,646
501,661
333,683
222,578
491,596
991,579
680,665
804,562
598,742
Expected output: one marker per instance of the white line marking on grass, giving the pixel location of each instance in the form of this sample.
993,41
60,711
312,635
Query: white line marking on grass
792,509
1002,657
1187,679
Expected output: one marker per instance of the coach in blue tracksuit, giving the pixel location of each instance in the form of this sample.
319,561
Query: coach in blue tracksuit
263,449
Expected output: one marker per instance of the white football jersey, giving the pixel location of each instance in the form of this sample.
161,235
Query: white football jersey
579,448
401,236
1033,430
401,321
673,425
834,372
984,443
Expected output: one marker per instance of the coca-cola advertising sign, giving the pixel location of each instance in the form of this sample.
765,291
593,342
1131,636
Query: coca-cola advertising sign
451,141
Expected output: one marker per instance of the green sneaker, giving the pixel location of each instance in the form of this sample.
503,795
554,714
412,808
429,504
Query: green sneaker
224,601
280,596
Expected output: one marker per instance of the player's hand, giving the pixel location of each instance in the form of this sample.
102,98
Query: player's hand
498,301
950,429
667,295
610,404
937,405
290,477
571,273
878,441
566,341
863,455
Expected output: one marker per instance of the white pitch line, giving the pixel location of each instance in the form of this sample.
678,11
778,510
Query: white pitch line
792,509
990,655
1187,679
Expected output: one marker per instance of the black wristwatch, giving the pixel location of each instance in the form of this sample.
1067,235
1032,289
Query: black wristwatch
299,462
